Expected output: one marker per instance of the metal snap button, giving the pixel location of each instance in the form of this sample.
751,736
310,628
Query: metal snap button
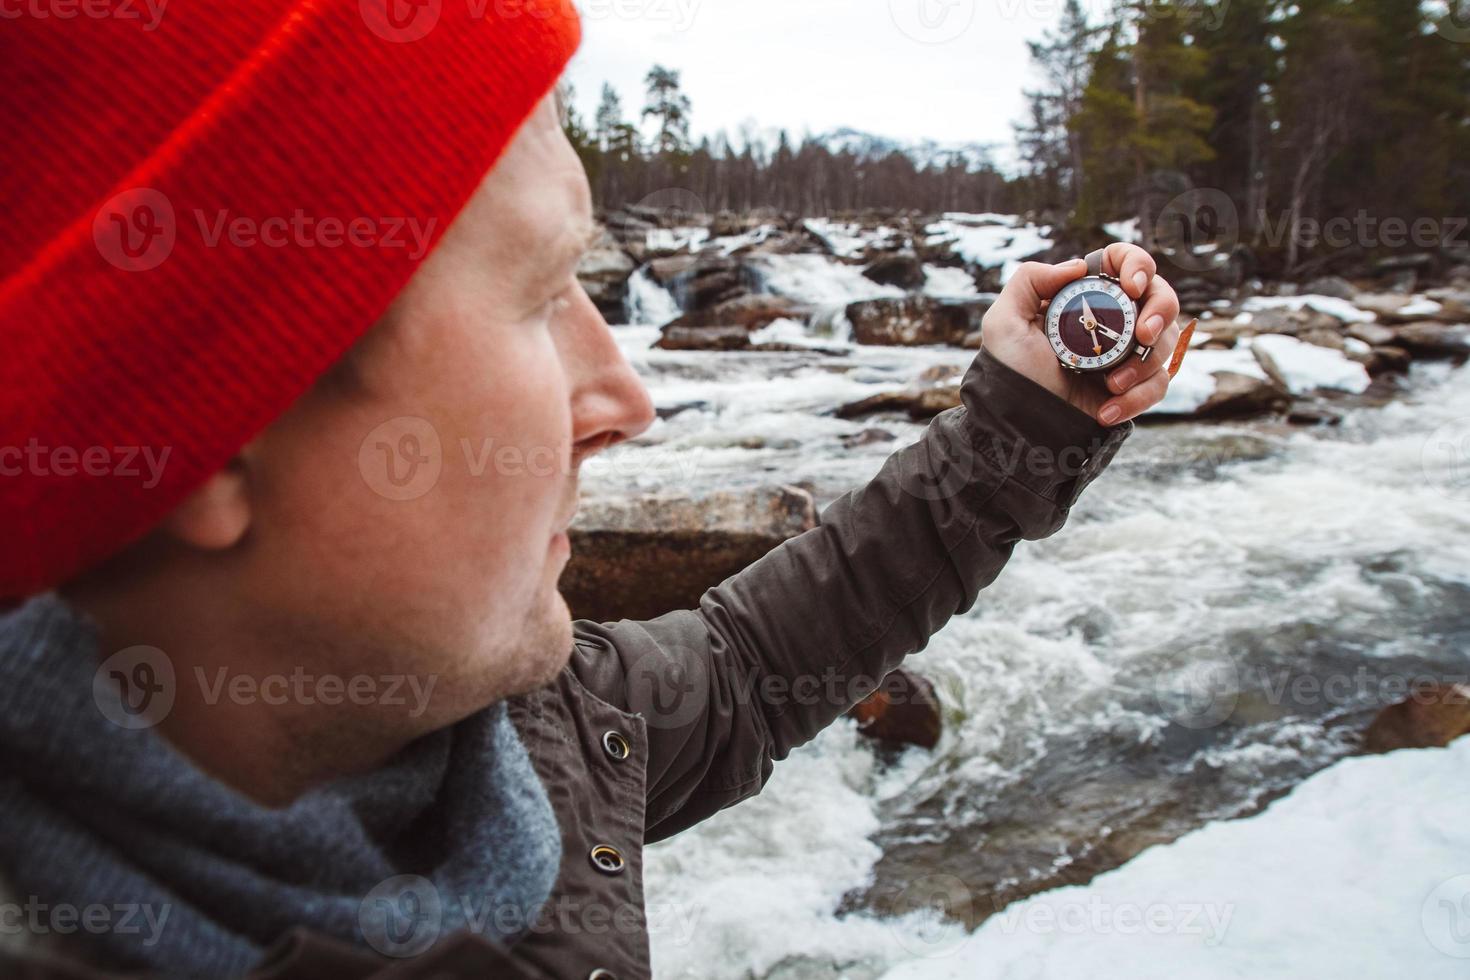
601,974
607,859
616,746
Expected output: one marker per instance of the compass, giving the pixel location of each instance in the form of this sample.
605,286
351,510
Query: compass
1092,324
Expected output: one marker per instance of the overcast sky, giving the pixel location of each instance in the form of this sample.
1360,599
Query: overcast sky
949,70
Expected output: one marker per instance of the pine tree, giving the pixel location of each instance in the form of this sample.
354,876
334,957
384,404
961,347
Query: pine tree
1049,141
670,107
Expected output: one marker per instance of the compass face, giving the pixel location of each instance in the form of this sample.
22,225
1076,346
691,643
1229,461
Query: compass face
1090,324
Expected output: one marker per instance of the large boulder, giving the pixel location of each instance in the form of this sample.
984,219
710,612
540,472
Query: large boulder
700,282
1433,717
914,321
1434,340
904,710
719,338
1243,396
641,557
918,403
902,269
751,311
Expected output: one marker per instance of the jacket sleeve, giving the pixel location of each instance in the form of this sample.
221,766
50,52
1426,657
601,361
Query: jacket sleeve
777,652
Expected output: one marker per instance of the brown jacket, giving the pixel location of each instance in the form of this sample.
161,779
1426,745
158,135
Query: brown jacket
656,725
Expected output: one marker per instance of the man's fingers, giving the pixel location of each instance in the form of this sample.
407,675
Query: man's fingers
1034,283
1132,266
1136,372
1160,310
1136,400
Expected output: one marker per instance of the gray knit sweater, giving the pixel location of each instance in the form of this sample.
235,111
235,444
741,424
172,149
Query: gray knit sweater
116,847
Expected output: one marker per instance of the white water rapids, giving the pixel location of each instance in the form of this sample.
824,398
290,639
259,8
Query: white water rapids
1244,554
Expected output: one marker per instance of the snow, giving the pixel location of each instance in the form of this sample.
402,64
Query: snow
1331,305
676,239
1123,231
1305,367
1420,306
990,240
849,240
1359,872
1195,383
946,283
730,244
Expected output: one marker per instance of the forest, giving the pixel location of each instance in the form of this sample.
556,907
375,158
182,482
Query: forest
1318,125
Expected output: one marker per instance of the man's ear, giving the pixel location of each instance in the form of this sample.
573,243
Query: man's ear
217,515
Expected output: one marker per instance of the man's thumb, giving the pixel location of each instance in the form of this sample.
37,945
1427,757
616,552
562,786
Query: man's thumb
1037,281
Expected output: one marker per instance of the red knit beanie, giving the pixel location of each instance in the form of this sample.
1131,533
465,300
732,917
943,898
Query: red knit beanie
205,204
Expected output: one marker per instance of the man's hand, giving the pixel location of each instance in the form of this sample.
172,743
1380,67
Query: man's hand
1014,331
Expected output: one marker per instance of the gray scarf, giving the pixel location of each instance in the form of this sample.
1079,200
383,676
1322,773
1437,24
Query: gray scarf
183,876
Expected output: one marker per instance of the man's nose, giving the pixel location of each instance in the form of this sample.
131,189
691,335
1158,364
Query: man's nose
609,402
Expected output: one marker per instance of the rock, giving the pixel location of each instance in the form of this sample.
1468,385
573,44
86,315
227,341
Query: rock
751,311
669,411
604,272
912,321
902,269
938,372
704,338
700,282
1392,308
1313,415
727,224
1454,304
664,271
1291,322
1370,333
904,710
1404,281
1243,396
1389,360
1432,717
1411,260
1433,340
1320,337
867,437
1335,286
972,340
639,558
919,403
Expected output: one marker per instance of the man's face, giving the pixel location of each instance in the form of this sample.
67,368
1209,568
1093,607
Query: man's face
408,515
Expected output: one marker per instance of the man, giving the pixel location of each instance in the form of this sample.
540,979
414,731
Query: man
302,698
